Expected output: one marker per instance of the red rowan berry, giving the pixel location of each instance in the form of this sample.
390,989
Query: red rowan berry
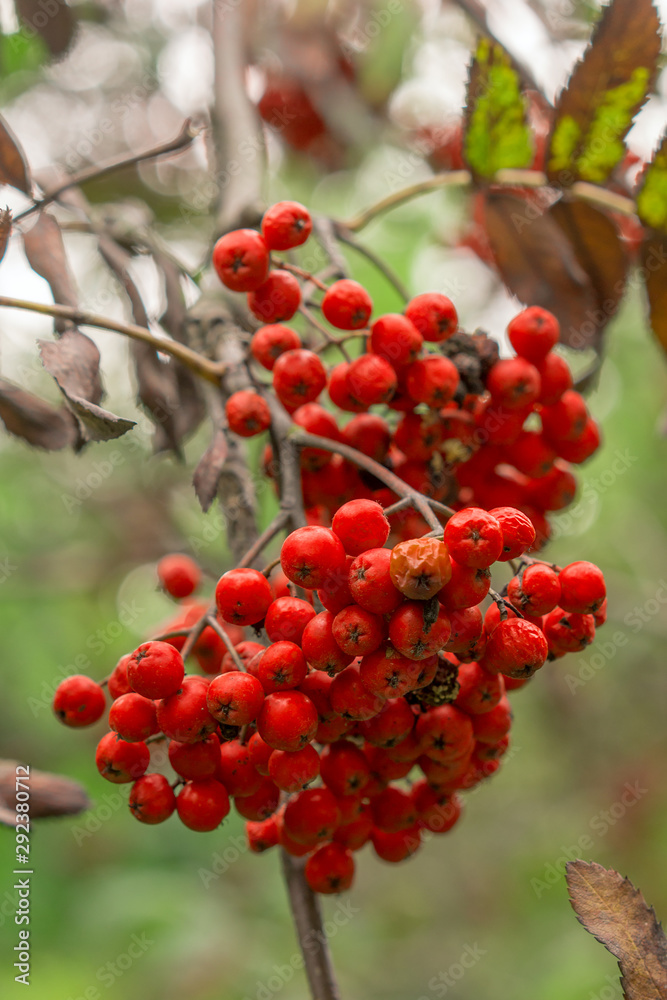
533,333
391,726
395,339
277,299
262,834
344,768
247,413
259,751
118,683
536,591
310,555
419,629
330,869
79,701
432,380
398,846
369,434
445,733
236,770
466,625
514,383
371,584
555,379
347,305
243,596
566,419
479,691
270,341
387,674
288,720
433,315
360,525
292,771
393,809
320,647
285,225
281,667
370,379
339,390
356,833
121,762
466,587
335,594
554,491
235,698
202,805
582,447
311,816
184,715
179,575
490,727
516,648
287,617
419,568
350,698
261,803
133,717
582,588
195,760
568,632
474,538
435,811
152,799
155,670
317,686
241,259
518,532
357,631
531,454
246,651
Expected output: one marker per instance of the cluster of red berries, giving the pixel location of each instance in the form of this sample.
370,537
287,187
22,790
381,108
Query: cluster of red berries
451,418
315,731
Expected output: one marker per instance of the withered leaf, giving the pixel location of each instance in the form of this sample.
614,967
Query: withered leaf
654,269
13,165
55,24
5,229
50,794
600,252
207,474
74,362
606,90
99,424
617,915
538,264
40,424
45,251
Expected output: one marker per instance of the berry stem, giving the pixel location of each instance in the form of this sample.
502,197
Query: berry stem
212,621
300,272
307,917
279,522
330,339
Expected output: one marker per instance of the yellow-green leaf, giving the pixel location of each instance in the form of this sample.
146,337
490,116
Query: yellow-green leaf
652,196
497,135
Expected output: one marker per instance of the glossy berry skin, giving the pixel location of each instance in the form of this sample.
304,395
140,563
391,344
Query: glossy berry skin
277,299
152,800
582,588
155,670
133,717
241,259
533,333
243,596
395,339
357,631
490,727
310,555
568,632
292,771
79,701
445,733
393,810
536,591
466,630
566,419
281,667
312,816
432,380
330,869
582,447
339,390
259,752
419,629
118,683
247,413
419,568
272,340
202,805
235,698
195,760
184,716
287,617
287,721
371,584
368,434
236,770
285,225
516,648
387,674
351,699
356,833
474,538
344,768
465,588
360,525
320,647
347,305
433,315
517,530
555,379
179,575
391,727
370,380
121,762
262,834
298,377
436,812
398,846
479,690
514,383
261,803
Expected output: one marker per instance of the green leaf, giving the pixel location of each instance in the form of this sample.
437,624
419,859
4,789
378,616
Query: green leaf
606,90
497,135
21,53
652,196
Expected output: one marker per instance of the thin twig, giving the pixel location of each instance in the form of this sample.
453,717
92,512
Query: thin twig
279,522
376,261
331,341
212,622
210,370
188,132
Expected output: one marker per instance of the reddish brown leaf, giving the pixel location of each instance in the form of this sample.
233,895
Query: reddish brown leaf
13,165
538,264
37,422
606,90
50,794
98,424
5,229
45,251
74,362
617,915
207,474
53,22
596,245
654,269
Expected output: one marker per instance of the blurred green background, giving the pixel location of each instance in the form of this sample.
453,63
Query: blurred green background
120,910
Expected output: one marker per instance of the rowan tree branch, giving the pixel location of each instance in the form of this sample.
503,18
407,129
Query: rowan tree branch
308,922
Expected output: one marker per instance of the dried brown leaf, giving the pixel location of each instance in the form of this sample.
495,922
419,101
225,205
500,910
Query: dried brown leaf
5,229
45,251
209,469
13,164
99,424
617,915
40,424
50,794
74,362
54,23
654,269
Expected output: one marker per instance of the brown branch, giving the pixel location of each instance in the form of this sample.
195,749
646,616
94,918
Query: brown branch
307,917
188,132
209,370
279,522
377,262
212,622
